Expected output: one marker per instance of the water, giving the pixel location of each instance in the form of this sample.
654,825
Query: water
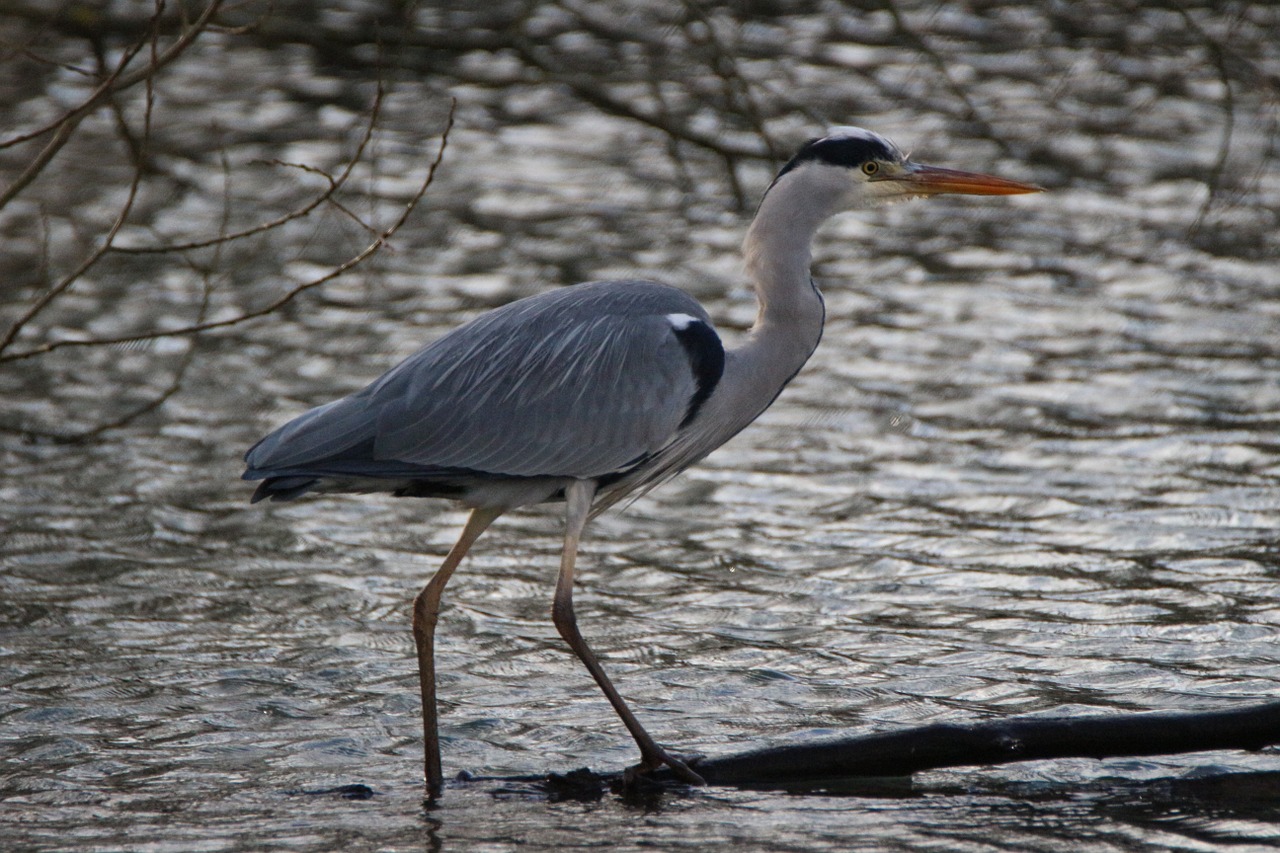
1032,468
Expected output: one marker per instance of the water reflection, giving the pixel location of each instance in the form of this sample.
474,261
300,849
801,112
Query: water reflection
1031,468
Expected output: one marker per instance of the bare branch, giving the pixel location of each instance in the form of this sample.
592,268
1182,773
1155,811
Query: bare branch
598,96
373,248
334,185
120,81
739,94
972,114
97,254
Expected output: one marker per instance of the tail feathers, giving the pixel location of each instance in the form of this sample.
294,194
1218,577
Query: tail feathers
283,488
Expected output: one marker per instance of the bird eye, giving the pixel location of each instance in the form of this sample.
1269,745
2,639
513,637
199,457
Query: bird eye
870,167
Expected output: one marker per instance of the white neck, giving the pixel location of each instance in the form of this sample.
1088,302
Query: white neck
777,252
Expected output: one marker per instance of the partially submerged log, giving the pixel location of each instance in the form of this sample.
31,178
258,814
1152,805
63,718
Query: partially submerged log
815,764
877,762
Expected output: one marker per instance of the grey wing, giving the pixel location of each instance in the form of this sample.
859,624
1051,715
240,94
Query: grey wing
580,382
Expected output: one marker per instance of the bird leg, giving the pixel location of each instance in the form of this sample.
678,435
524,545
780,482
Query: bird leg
578,496
426,609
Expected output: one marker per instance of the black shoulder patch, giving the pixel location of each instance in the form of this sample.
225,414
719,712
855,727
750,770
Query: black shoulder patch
706,361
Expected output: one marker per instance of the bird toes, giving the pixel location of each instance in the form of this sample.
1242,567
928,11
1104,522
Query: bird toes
638,777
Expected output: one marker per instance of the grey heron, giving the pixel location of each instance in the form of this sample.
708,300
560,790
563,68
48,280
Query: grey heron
591,393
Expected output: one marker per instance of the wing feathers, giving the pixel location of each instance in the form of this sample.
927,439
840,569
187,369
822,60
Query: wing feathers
579,382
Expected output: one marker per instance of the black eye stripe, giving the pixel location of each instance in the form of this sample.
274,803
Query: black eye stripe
848,152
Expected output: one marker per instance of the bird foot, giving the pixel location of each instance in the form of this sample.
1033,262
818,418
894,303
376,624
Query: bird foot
634,777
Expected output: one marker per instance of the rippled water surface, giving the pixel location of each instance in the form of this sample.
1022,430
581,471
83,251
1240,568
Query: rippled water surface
1032,468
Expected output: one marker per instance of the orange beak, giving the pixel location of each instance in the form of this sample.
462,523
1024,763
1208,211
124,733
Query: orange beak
933,180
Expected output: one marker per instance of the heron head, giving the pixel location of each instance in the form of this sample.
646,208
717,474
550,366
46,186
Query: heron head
879,171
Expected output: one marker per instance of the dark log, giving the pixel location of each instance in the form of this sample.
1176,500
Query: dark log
995,742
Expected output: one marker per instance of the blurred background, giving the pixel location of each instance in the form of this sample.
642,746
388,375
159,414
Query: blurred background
1032,469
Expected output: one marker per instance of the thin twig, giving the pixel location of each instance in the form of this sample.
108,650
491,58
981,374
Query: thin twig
590,92
739,93
335,184
939,62
1218,169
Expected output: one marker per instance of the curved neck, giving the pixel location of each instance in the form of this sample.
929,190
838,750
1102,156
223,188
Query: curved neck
777,247
777,252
